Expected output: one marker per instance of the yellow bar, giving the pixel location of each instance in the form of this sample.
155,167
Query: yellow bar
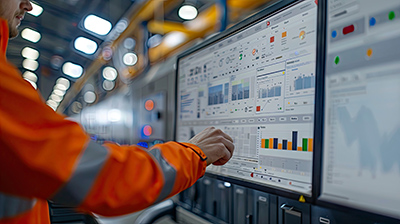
299,148
271,143
263,143
310,144
280,146
289,146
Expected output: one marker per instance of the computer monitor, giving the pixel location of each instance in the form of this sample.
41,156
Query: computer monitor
257,84
361,141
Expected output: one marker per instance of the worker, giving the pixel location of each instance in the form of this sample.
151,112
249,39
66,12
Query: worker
44,156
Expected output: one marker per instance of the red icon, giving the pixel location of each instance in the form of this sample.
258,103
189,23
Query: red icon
254,51
252,174
272,39
149,105
268,23
258,108
348,29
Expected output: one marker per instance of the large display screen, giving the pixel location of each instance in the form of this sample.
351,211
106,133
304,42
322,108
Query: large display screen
257,84
361,150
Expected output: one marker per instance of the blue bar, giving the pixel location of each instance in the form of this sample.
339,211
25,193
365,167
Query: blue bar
275,143
294,140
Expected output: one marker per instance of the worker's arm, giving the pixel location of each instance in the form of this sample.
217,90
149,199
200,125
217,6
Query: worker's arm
43,155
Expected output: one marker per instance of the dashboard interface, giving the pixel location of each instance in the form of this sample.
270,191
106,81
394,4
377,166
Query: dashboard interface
258,86
361,151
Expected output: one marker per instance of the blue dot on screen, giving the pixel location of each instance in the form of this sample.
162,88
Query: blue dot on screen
372,21
334,34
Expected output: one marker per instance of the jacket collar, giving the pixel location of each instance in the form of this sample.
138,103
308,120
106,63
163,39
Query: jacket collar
3,37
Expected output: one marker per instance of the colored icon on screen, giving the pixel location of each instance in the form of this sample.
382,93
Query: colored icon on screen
302,35
149,105
369,52
372,21
334,34
391,15
337,60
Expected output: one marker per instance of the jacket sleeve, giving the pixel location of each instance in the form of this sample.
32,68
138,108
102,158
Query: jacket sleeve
43,155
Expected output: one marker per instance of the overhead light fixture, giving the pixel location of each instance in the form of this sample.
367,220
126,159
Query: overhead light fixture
121,25
130,59
129,43
32,83
30,76
97,25
36,10
154,41
174,38
52,104
56,98
85,45
114,115
187,12
110,73
31,35
30,53
29,64
72,70
108,85
63,81
89,97
59,92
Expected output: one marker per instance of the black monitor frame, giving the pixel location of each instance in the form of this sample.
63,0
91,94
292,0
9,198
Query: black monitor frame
272,8
319,128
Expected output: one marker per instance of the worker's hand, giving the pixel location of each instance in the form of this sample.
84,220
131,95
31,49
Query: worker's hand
216,145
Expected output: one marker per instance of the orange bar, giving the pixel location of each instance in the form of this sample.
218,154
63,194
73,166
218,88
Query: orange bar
310,144
271,143
280,146
289,146
299,148
263,143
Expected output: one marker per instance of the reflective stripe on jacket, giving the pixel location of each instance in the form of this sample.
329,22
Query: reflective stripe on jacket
44,156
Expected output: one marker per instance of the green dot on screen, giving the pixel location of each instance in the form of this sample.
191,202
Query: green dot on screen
337,60
391,15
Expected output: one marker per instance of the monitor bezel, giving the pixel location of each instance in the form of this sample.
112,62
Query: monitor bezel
273,8
319,125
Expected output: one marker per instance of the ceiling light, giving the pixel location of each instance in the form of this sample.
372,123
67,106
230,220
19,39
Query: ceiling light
52,104
60,87
187,12
30,64
36,10
121,26
63,81
89,97
30,53
108,85
32,83
59,92
30,35
85,45
72,70
114,115
110,73
56,98
97,25
30,76
174,38
130,59
129,43
154,41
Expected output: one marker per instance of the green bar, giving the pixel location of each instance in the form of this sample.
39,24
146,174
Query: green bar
305,144
266,143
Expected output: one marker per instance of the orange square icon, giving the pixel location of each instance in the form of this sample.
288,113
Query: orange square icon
284,34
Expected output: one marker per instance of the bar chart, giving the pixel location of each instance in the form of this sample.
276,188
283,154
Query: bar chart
294,140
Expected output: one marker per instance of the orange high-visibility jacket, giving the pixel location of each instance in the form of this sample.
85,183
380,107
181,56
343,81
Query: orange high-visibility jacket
44,156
